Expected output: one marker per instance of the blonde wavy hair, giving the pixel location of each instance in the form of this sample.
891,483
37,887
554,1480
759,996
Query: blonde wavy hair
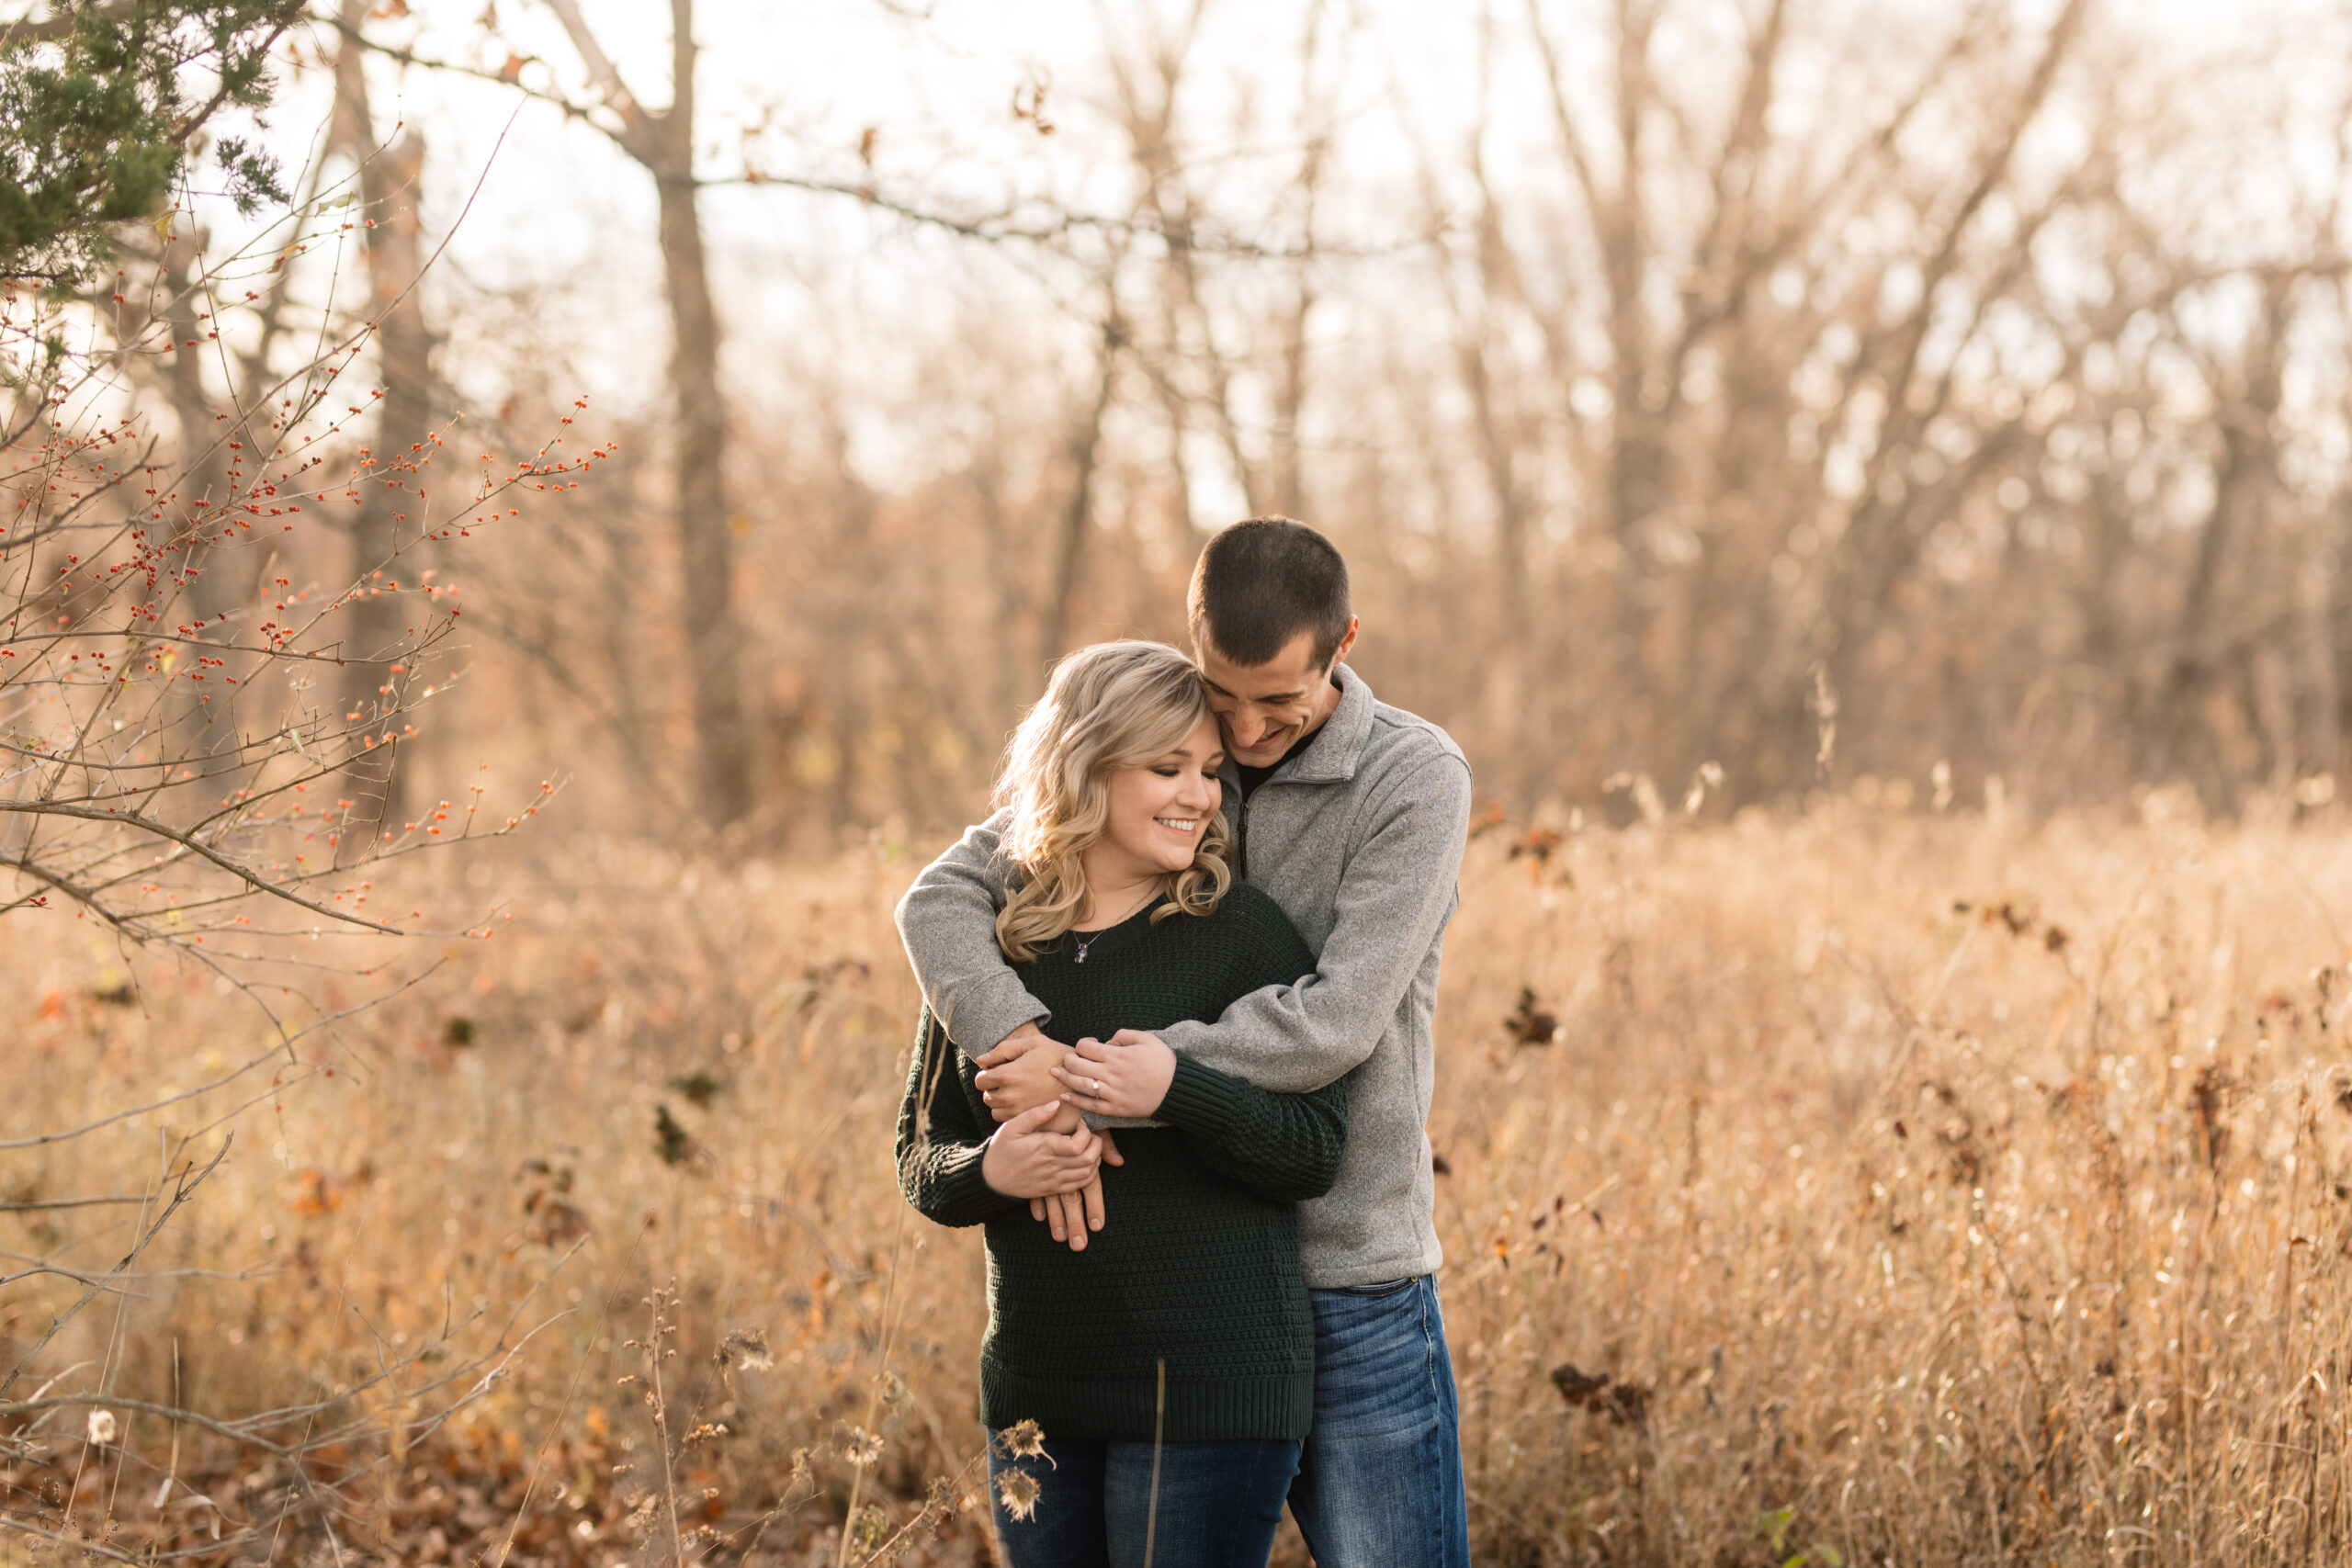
1116,705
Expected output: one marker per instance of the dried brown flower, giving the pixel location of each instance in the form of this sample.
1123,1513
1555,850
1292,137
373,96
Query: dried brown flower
1017,1489
1022,1440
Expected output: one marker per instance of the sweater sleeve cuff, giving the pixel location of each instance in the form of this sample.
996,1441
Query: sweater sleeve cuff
960,1195
985,1011
1201,1098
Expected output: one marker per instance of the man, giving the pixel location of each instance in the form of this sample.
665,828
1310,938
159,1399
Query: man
1352,815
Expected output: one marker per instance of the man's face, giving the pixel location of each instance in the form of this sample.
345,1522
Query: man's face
1265,709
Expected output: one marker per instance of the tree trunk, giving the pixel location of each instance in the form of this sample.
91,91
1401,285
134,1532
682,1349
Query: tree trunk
392,503
1085,449
205,493
2202,638
2336,629
1636,464
705,547
663,144
1516,684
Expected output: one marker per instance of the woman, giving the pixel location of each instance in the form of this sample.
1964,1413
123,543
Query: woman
1153,1387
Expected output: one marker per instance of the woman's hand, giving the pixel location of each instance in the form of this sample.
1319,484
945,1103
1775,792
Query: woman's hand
1126,1076
1072,1214
1026,1158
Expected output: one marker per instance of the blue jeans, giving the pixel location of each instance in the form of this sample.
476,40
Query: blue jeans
1380,1481
1217,1505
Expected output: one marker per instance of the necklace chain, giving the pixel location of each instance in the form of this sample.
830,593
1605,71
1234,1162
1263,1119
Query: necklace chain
1149,894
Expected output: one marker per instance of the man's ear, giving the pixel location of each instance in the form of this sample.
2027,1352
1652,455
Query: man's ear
1339,654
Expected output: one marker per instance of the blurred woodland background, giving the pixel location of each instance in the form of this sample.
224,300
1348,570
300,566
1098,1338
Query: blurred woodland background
1868,482
1978,370
1674,376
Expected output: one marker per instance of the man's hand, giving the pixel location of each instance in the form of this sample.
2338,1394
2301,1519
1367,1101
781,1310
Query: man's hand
1016,1075
1026,1158
1128,1076
1012,1046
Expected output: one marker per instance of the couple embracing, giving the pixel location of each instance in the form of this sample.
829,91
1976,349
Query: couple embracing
1176,1056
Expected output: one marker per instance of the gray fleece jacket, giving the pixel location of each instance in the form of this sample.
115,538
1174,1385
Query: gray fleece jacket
1359,837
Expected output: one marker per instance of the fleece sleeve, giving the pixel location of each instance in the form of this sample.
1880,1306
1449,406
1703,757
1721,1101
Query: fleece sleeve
1394,896
947,920
1286,1147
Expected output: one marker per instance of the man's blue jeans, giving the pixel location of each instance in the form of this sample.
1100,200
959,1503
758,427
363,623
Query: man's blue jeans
1380,1479
1217,1505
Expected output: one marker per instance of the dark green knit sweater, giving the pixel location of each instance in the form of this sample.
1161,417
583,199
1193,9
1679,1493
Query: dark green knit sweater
1197,1261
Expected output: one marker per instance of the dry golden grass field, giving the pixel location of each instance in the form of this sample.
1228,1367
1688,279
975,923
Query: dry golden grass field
1853,1188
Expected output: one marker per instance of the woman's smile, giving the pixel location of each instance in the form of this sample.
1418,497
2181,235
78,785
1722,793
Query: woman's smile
1159,815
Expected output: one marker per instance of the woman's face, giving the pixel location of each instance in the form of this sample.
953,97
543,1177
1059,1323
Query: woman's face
1159,811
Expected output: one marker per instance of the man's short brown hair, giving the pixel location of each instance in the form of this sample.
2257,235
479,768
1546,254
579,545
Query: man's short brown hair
1260,583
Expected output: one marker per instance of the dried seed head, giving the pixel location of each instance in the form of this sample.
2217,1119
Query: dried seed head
1018,1490
748,1348
102,1428
1024,1440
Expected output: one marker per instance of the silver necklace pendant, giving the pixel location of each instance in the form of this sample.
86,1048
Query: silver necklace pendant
1079,957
